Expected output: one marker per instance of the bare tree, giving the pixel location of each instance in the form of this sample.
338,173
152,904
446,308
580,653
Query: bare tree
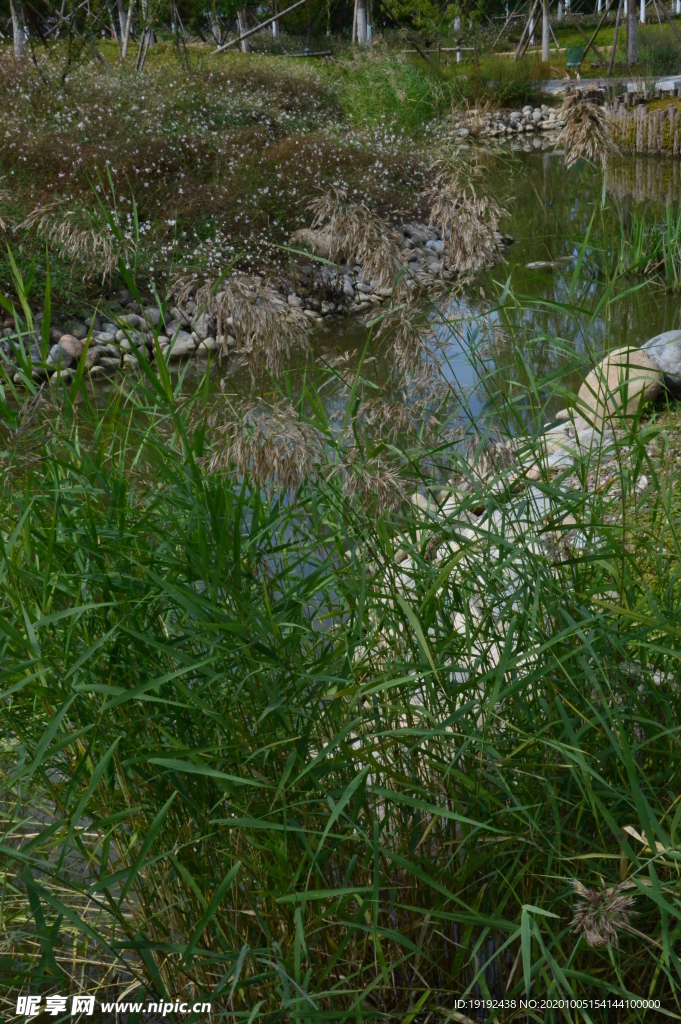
18,28
545,32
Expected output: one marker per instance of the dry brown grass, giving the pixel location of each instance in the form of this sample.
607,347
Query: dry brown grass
586,132
94,248
467,218
354,232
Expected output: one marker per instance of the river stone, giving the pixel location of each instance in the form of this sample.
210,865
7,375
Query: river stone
59,356
665,352
202,326
616,386
93,356
133,338
183,346
152,315
208,345
74,346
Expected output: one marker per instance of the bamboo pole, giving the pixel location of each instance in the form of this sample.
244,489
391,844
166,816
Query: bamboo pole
669,19
257,28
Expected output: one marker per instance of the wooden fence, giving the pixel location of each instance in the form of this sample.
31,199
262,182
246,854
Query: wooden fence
639,130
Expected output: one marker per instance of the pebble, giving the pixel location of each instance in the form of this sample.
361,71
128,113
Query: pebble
295,301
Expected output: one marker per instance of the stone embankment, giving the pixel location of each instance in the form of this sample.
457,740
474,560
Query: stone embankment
319,291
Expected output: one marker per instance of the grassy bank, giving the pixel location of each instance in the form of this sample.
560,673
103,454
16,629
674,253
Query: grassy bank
252,756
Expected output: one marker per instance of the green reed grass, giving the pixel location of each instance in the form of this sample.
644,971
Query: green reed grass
248,758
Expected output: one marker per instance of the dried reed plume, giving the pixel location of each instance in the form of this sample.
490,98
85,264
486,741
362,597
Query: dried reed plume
598,914
371,483
386,421
95,248
272,446
351,231
278,451
586,132
468,221
264,327
411,340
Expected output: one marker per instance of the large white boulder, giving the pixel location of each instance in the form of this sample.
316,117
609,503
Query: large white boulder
616,387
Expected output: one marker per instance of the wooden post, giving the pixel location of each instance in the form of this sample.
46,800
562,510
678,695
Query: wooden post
257,28
525,31
583,33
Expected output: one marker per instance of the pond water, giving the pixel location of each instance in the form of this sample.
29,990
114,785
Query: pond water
551,209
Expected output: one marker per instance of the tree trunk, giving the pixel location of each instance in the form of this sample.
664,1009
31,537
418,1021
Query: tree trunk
545,32
275,25
128,28
643,12
122,18
632,34
18,29
361,23
242,22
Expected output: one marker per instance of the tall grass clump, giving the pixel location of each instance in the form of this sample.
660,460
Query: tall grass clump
404,94
659,50
276,737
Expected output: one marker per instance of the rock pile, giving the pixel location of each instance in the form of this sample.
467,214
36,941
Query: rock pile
351,290
502,123
183,332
